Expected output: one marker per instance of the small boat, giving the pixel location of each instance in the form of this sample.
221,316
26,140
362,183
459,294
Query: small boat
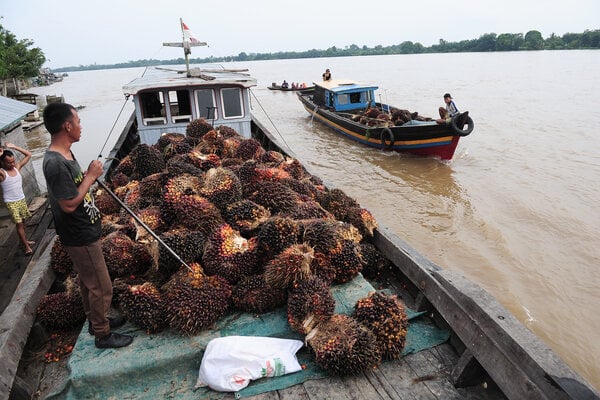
275,86
349,108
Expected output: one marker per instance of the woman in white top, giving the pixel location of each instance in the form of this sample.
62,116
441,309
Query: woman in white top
11,182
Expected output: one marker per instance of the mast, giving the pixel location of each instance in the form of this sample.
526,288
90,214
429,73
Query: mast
188,41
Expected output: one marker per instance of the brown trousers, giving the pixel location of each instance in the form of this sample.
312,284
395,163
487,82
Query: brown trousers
95,284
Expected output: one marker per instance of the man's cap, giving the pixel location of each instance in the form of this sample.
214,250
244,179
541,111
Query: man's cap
447,95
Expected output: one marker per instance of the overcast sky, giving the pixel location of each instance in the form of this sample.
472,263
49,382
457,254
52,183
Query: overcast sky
82,32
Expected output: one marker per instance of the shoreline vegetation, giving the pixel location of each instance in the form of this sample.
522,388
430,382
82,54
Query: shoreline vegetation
489,42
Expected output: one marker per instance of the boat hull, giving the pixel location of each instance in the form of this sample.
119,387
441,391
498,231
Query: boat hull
430,140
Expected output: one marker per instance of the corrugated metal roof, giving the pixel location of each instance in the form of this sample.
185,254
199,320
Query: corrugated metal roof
342,85
13,111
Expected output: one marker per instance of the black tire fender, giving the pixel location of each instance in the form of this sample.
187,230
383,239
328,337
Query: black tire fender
462,132
387,136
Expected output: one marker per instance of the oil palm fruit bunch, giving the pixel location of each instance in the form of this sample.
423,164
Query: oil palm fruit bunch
146,160
197,128
342,346
308,210
197,213
182,185
346,260
338,203
194,300
363,220
374,263
60,262
211,143
125,167
105,202
204,162
386,317
249,149
309,303
228,132
170,144
253,294
62,310
143,305
289,267
152,218
181,164
188,245
303,187
272,157
151,188
274,196
276,234
245,216
230,255
294,168
123,256
322,234
222,187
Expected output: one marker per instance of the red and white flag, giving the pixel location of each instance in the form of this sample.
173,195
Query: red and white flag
188,36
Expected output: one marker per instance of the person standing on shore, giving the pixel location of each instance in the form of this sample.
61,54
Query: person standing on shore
11,182
77,220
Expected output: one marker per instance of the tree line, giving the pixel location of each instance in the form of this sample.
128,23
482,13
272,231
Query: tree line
19,59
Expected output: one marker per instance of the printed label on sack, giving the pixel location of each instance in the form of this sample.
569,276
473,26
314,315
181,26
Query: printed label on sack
273,367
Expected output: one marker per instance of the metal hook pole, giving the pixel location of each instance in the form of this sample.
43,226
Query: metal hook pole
139,221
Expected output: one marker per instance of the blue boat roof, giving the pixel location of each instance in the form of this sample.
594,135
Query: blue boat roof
344,85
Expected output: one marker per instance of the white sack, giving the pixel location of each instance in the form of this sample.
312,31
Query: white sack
230,363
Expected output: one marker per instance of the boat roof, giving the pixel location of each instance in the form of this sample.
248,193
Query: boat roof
342,85
167,77
13,111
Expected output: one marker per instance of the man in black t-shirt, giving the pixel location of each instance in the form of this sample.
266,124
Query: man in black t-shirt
77,220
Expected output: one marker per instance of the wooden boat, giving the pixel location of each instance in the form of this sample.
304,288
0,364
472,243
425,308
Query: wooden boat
350,109
490,354
275,86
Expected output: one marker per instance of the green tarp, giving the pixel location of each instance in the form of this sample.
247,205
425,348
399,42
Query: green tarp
166,365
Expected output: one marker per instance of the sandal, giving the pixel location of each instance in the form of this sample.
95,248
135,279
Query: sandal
28,252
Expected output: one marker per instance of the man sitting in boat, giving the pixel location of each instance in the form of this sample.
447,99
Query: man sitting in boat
284,85
326,75
449,111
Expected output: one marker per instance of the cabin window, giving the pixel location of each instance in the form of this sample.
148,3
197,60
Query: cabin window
232,102
355,98
343,99
205,100
153,108
180,106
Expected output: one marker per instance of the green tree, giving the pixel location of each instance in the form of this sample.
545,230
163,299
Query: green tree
534,40
18,60
553,42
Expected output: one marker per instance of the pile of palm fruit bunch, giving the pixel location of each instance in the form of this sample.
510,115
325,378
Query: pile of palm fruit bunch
256,231
377,117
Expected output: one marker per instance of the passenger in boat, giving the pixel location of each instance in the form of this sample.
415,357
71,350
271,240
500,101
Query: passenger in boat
284,85
303,86
11,182
77,221
446,113
326,75
294,85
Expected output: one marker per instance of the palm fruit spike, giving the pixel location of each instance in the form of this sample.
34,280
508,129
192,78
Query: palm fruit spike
309,303
152,218
230,255
348,232
228,132
125,167
204,162
290,267
188,245
146,161
386,317
195,301
230,146
211,143
294,168
322,234
245,216
61,311
151,187
222,187
171,144
363,220
346,260
144,306
276,234
253,294
342,346
197,128
249,149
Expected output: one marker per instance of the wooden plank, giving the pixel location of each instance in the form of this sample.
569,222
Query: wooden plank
296,392
467,371
331,388
18,317
403,379
433,374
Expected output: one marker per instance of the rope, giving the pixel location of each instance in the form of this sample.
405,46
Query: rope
113,127
289,150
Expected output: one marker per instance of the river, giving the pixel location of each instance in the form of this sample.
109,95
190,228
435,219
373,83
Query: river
515,210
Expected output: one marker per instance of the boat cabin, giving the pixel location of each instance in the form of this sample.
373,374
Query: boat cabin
166,100
343,95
